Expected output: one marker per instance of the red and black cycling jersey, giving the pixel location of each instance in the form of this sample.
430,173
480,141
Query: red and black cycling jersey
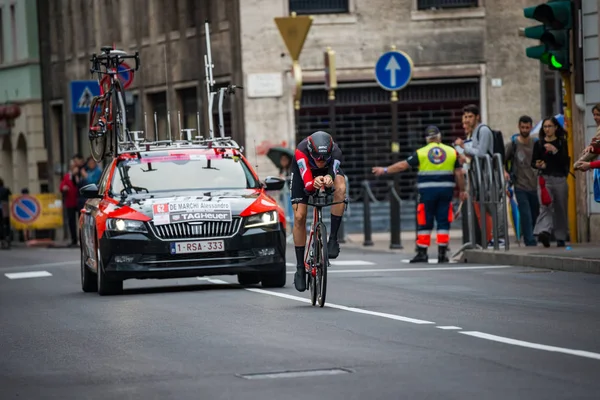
308,168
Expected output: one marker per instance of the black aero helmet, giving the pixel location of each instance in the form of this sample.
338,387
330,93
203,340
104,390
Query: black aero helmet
320,145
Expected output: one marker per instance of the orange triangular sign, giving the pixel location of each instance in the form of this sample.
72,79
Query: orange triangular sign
294,31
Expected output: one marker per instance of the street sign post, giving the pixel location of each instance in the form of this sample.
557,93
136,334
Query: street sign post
393,71
81,94
294,30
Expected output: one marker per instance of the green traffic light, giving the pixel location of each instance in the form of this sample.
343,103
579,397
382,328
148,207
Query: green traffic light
555,63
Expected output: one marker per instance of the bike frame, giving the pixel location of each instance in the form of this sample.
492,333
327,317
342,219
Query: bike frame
317,217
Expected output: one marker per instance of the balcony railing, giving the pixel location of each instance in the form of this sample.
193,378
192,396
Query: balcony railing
319,6
445,4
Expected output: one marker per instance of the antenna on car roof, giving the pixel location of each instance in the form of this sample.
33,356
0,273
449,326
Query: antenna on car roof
208,66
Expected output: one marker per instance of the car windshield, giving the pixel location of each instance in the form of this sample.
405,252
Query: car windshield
180,172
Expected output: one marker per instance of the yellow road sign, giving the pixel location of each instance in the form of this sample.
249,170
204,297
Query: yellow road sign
294,30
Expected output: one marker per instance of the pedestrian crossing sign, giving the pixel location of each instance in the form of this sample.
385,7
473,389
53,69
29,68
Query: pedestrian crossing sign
82,93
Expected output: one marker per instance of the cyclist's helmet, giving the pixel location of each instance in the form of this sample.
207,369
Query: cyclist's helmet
320,146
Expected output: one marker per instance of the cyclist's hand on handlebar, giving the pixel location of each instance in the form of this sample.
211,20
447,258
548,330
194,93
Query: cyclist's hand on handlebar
328,181
319,182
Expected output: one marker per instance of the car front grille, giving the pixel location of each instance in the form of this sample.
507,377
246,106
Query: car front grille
209,229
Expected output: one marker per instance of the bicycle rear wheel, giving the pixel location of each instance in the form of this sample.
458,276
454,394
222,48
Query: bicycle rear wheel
322,263
97,144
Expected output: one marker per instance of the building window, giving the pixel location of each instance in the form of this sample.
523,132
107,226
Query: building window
319,6
13,27
445,4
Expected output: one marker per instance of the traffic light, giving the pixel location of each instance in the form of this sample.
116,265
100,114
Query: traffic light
557,19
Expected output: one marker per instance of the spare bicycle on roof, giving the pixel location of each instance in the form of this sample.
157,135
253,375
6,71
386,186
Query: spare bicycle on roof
107,116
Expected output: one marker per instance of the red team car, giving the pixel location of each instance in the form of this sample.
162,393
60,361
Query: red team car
181,210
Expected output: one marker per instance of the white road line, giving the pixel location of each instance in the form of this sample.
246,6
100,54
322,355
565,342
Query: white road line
290,264
407,261
339,307
24,275
531,345
349,271
351,262
580,353
56,264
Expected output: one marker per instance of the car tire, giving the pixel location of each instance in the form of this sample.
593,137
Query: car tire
89,282
107,286
248,278
275,279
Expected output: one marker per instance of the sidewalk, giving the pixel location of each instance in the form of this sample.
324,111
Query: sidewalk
583,257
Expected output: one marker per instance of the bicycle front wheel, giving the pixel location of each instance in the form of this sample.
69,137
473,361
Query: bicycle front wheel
97,143
119,116
322,263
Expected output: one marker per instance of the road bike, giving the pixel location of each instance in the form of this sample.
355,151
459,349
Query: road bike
107,115
316,259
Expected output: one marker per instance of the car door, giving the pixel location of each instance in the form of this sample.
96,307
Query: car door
90,215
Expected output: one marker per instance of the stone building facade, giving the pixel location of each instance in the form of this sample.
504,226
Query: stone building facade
464,51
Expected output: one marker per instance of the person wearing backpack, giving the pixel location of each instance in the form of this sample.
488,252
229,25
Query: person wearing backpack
523,176
483,141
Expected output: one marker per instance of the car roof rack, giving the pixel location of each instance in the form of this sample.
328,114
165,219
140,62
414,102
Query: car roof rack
137,142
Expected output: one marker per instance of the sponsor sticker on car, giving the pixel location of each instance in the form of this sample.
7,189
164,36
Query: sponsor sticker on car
191,210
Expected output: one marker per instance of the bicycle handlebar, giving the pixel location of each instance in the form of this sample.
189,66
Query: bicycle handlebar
106,58
324,198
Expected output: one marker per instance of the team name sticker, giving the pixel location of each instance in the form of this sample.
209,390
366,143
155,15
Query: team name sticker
184,211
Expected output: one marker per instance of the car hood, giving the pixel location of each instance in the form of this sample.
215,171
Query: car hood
239,200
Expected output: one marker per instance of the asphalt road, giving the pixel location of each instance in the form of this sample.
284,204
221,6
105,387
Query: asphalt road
390,331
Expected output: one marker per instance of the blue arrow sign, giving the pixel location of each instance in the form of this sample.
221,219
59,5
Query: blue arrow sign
393,70
82,93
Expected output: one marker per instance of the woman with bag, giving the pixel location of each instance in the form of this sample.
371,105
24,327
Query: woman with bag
551,159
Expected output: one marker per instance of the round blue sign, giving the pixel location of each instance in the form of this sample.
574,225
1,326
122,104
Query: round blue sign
25,209
393,70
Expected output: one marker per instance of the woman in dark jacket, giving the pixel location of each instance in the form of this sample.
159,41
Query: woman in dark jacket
551,158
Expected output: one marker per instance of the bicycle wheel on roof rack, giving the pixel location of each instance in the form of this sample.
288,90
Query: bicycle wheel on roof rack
97,143
119,117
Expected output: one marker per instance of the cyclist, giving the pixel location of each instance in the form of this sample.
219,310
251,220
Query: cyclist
316,165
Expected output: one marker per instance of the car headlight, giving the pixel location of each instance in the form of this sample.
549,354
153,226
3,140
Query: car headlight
262,219
125,225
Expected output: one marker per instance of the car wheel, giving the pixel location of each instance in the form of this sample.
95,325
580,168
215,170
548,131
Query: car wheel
275,279
248,279
89,283
106,286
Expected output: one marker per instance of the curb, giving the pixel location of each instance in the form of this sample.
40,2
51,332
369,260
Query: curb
568,264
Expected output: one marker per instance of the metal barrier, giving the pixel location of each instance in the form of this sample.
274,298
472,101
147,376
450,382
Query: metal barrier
487,187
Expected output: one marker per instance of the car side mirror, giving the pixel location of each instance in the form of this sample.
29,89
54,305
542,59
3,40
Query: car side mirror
274,183
90,191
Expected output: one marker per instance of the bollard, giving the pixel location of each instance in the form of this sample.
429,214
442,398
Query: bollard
395,214
367,215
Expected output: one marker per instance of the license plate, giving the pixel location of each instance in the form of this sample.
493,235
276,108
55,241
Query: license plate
205,246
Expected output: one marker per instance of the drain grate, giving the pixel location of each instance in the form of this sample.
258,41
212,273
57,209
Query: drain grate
296,374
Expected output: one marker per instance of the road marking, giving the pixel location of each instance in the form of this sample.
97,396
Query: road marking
531,345
56,264
447,328
407,261
349,271
344,263
296,374
330,305
24,275
351,262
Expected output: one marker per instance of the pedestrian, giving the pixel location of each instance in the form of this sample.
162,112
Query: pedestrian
4,215
591,151
551,158
482,144
70,196
439,171
519,172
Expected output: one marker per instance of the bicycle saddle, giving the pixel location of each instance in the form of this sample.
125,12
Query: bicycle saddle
106,49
